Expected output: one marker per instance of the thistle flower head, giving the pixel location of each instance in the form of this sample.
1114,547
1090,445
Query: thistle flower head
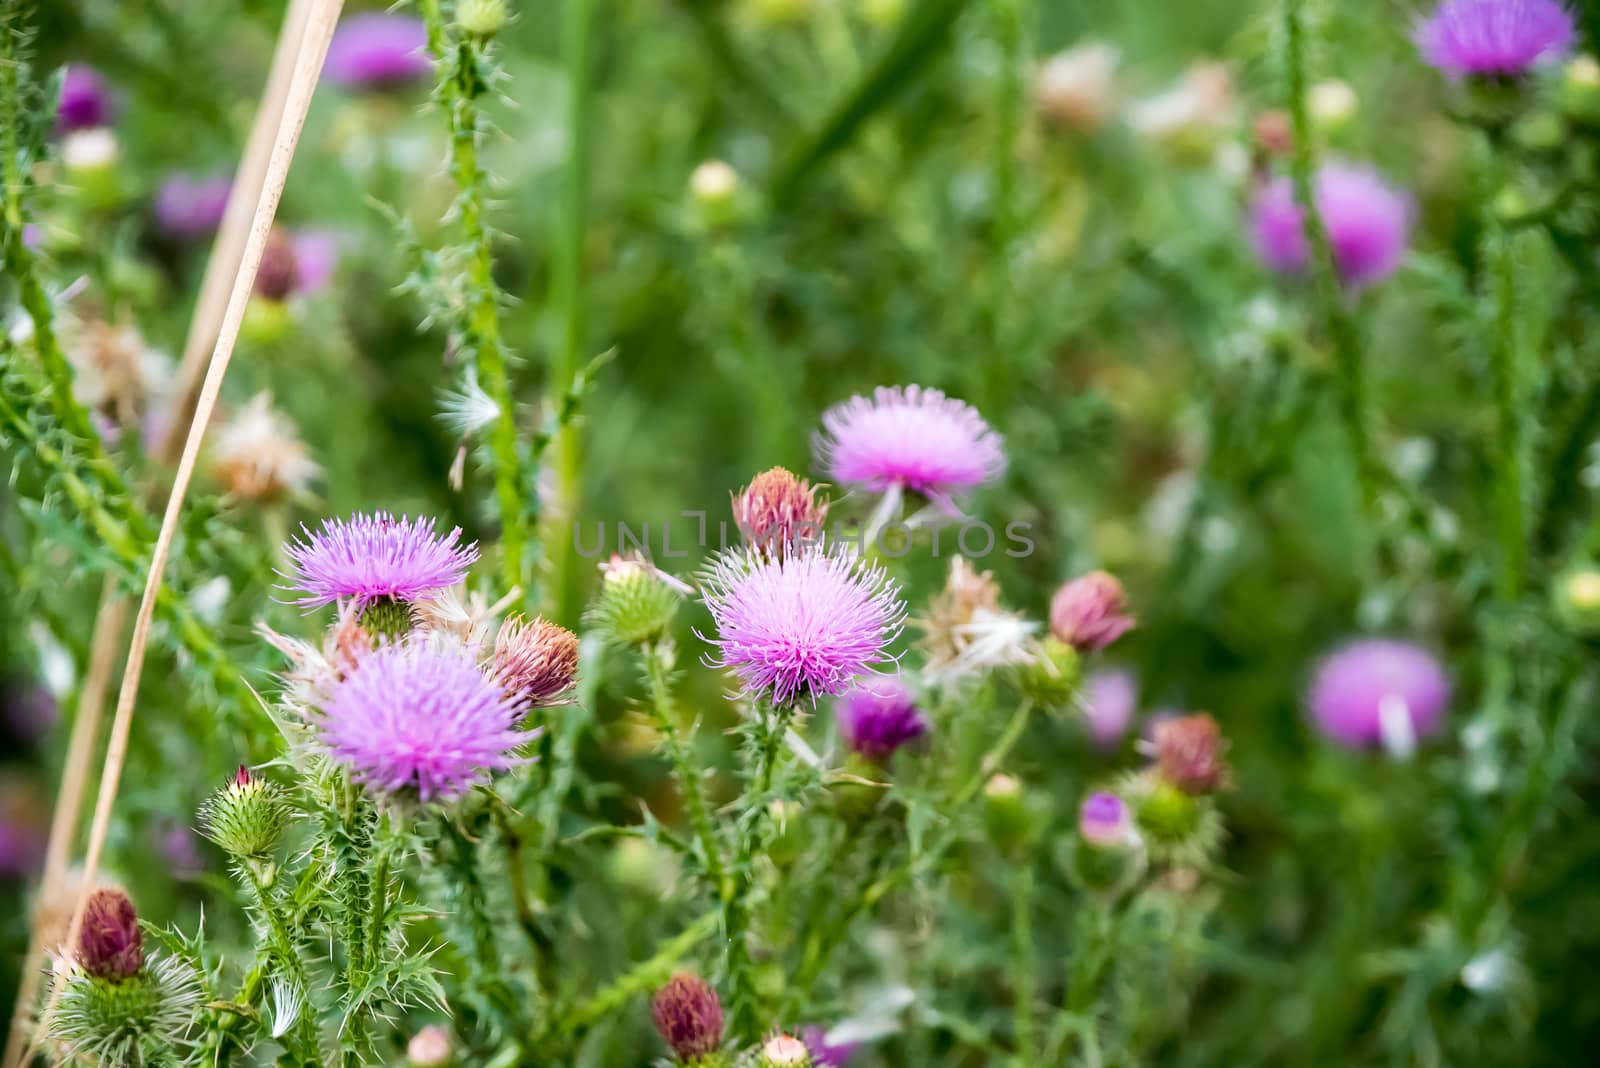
190,206
1109,700
85,100
784,1051
140,1019
247,816
378,51
910,438
1367,220
376,556
1090,612
258,454
1104,820
110,944
537,661
1189,753
1379,691
1494,37
879,717
429,1048
688,1016
779,510
279,270
966,632
825,1054
421,718
800,626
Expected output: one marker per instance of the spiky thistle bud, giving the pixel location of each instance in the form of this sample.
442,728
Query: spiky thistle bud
1010,814
430,1048
688,1015
481,18
246,817
110,944
1189,754
777,510
1107,855
1051,675
784,1051
537,660
1090,612
635,606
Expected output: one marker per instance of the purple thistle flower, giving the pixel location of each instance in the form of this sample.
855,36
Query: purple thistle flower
373,556
909,438
424,717
688,1016
1379,691
189,207
316,257
1494,37
1103,820
879,718
85,101
802,625
825,1054
377,51
1109,700
1368,222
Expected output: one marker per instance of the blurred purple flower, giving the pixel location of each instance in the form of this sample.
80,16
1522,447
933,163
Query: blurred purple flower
373,556
802,625
1494,37
877,718
85,100
424,718
825,1054
30,710
1104,820
189,206
909,438
378,51
1368,223
1379,691
1109,701
316,255
179,847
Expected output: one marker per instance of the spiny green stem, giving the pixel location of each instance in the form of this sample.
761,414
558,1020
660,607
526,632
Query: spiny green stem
643,977
284,948
462,81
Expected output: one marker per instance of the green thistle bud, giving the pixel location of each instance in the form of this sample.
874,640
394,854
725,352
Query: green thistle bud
1167,814
136,1020
858,789
1173,825
481,18
246,817
385,617
635,606
1051,678
1010,814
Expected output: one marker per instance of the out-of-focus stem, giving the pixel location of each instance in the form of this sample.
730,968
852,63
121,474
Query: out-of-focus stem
1505,368
1023,980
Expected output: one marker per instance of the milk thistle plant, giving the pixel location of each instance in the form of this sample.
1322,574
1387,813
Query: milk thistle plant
1096,553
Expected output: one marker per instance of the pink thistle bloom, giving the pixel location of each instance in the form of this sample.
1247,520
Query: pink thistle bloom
1104,822
189,207
1494,37
85,101
909,438
1090,612
421,717
378,51
877,719
373,556
1379,691
316,257
1368,223
803,625
825,1054
1109,700
688,1016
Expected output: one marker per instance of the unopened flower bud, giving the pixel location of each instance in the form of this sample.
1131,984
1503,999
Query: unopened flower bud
635,606
1332,105
89,152
688,1016
246,817
481,18
1104,821
279,269
430,1048
1089,613
1051,676
1008,813
110,944
536,661
784,1051
1074,89
1189,754
779,510
715,189
878,718
1168,815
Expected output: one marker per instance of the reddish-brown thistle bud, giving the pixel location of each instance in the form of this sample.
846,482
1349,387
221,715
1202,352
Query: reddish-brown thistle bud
536,661
779,509
110,944
688,1015
279,270
1090,612
1189,754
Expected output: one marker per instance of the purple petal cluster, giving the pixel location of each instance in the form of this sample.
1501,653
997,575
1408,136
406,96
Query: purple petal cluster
375,51
1367,220
803,625
912,438
189,206
1355,683
421,717
372,556
825,1054
1494,37
879,717
85,101
1104,821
